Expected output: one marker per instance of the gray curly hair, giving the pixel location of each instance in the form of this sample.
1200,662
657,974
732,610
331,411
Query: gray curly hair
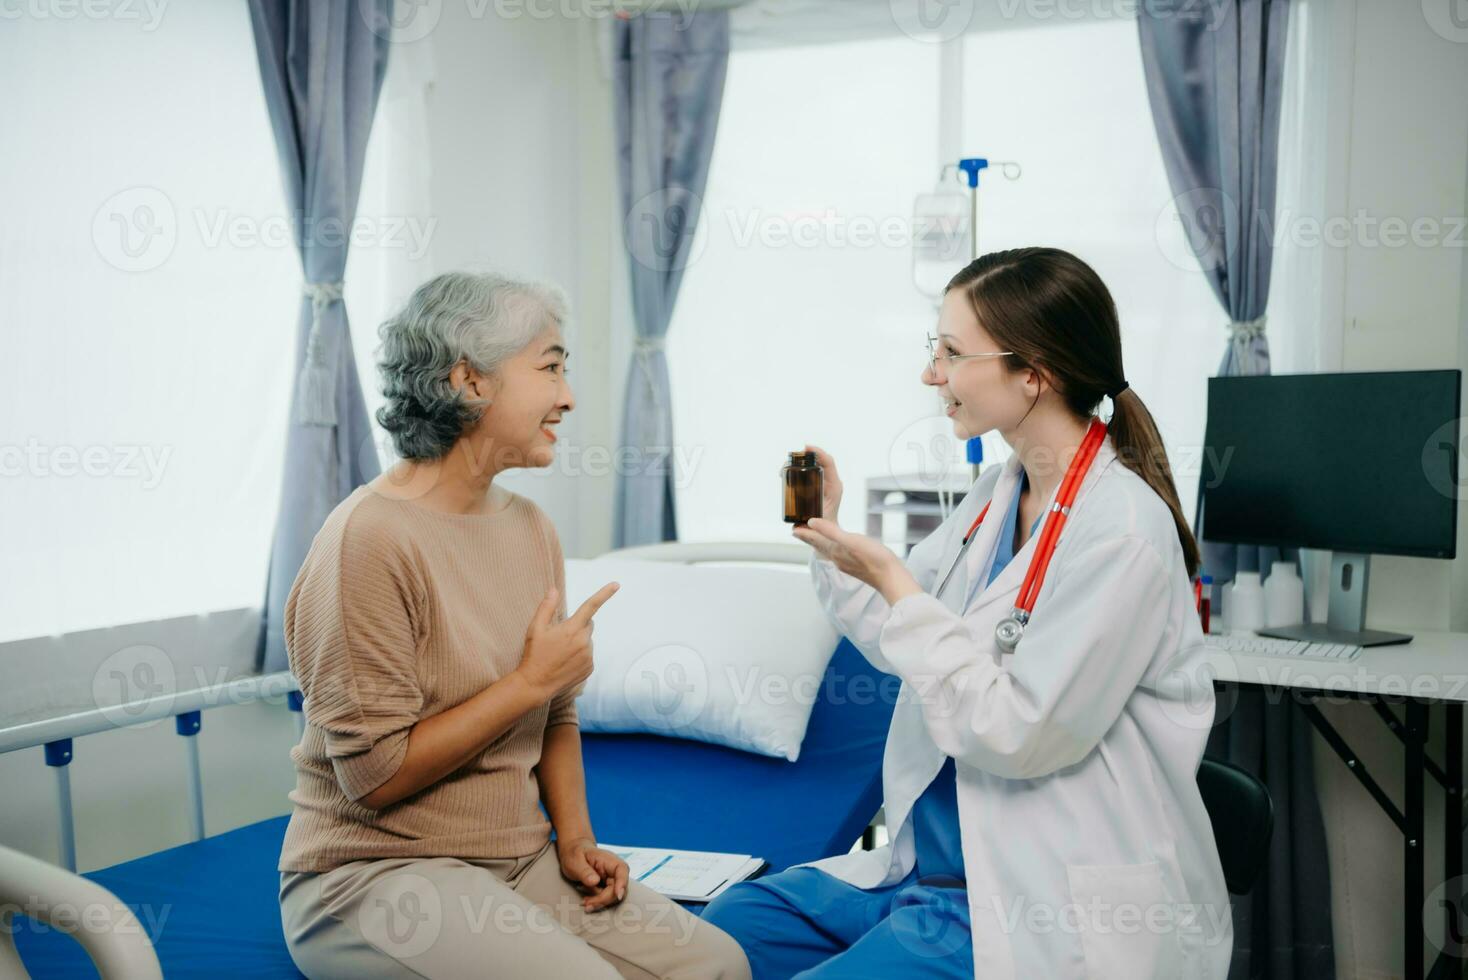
483,319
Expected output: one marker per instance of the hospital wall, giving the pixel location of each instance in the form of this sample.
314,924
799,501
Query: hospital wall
1397,146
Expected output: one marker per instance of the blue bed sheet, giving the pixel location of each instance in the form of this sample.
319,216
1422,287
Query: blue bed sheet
211,907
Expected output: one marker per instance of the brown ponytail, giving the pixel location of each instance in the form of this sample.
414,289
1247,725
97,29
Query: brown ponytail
1056,314
1139,446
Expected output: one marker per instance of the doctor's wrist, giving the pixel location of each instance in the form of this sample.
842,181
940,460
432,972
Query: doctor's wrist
897,585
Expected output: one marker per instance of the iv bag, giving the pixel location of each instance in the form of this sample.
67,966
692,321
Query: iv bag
941,236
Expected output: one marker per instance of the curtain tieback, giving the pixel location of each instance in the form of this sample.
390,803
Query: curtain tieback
1247,329
643,349
315,390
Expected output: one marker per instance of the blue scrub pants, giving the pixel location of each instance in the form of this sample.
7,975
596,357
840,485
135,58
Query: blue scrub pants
804,922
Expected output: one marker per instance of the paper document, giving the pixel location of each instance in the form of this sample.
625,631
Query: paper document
685,876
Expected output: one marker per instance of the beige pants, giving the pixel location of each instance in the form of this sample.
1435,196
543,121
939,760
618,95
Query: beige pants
509,917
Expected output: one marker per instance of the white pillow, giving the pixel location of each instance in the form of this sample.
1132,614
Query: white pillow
733,655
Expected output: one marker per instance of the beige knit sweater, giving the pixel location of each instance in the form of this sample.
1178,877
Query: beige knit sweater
400,612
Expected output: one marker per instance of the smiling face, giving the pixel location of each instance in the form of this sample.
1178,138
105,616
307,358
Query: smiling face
529,395
979,393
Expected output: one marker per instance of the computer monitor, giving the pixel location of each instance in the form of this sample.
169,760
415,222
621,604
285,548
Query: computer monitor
1360,464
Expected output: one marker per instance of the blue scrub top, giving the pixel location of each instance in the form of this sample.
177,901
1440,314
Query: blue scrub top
935,814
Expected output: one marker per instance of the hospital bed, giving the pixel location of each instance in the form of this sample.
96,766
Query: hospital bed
220,892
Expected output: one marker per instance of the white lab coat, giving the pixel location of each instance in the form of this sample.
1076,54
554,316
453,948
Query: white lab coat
1087,850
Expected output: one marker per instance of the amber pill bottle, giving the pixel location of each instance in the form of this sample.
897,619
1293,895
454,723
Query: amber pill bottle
803,488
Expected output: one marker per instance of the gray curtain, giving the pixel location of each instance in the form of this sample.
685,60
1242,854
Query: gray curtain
322,66
669,83
1213,75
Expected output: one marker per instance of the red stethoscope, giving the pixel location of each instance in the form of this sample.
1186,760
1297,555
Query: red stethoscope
1008,631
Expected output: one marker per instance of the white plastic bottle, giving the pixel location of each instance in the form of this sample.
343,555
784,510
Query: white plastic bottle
1244,608
1284,596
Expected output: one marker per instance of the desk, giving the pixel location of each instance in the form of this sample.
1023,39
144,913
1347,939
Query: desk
1432,668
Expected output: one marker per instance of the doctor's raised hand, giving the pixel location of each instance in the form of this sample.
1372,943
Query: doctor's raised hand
857,555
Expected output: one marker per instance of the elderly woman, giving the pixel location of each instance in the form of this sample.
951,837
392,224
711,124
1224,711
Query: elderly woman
429,633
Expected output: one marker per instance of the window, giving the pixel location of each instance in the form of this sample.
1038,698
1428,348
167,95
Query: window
1070,104
798,321
146,317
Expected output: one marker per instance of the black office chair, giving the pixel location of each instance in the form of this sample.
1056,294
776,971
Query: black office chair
1242,815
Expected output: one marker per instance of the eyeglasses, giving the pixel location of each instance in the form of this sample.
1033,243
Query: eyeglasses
934,357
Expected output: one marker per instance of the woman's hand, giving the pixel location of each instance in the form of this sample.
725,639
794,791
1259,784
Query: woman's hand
600,874
861,557
830,483
558,656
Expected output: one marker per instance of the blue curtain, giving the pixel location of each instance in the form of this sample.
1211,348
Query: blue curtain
669,83
1213,75
322,66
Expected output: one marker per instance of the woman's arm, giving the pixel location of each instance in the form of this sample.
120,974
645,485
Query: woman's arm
563,783
601,874
556,656
442,743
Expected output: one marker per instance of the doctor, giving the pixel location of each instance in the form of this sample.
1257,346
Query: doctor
1039,774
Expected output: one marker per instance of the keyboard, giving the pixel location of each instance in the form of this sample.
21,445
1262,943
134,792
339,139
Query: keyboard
1268,646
